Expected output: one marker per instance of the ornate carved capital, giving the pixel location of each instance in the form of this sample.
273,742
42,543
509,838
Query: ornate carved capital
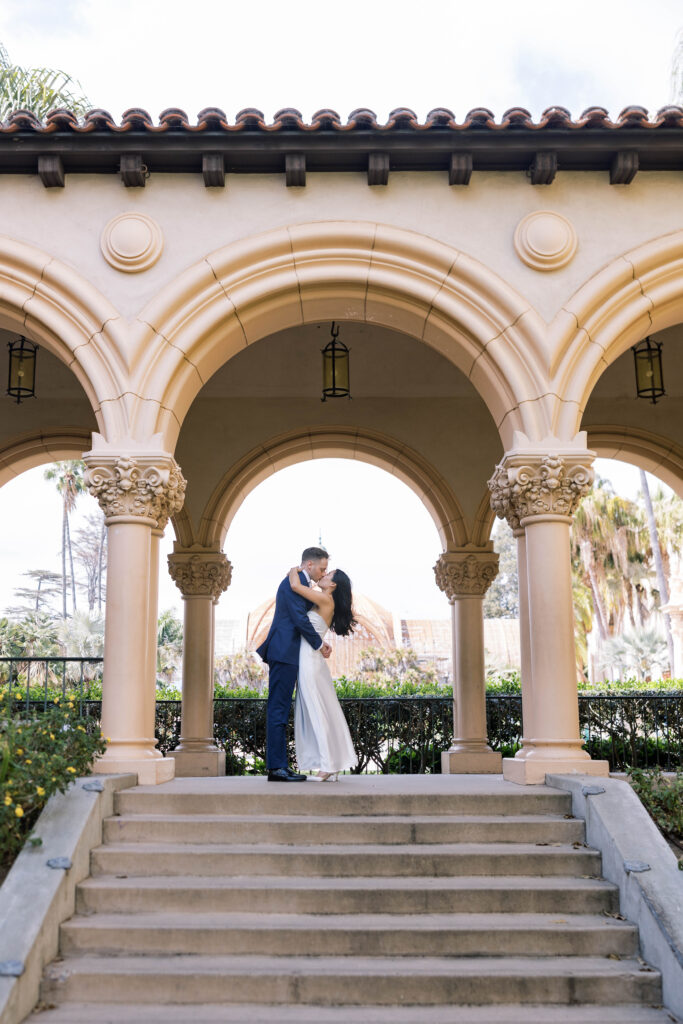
200,574
466,573
147,486
526,484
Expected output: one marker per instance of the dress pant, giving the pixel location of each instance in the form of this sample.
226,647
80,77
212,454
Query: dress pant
281,682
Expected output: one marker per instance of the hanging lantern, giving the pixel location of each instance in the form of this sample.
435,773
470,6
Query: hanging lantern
22,369
649,378
335,368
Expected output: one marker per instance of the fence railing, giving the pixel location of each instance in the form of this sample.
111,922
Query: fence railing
407,734
47,674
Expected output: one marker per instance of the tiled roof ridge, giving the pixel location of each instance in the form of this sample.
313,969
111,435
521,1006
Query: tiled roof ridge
288,118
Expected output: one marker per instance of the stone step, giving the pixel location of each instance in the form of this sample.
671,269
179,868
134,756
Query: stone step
217,828
408,935
268,859
276,894
344,981
350,796
253,1013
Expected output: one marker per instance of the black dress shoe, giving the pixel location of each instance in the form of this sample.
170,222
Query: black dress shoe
285,775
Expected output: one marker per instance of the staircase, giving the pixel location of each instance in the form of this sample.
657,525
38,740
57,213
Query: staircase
405,899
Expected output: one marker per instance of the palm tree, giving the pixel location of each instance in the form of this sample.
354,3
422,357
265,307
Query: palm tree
39,90
69,482
659,565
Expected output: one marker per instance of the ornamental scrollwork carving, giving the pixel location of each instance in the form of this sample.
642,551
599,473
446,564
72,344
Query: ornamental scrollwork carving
199,574
139,486
524,486
466,574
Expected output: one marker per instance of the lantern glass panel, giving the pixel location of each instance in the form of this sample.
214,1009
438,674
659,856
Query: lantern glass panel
22,369
335,370
649,373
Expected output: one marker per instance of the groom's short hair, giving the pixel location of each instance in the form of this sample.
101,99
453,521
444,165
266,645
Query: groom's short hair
313,555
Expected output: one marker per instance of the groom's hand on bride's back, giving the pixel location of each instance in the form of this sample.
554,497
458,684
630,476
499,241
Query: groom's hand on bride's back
326,650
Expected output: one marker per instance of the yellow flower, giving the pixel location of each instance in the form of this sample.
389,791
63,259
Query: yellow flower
70,704
20,750
80,728
52,735
72,770
19,811
40,791
28,761
108,739
56,700
8,800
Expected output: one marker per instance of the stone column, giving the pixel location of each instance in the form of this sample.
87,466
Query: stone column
153,626
465,576
540,487
524,640
201,576
137,487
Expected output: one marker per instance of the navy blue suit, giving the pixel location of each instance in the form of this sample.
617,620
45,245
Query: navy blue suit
280,651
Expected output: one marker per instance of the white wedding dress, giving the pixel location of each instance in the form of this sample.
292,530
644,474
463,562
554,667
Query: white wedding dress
323,740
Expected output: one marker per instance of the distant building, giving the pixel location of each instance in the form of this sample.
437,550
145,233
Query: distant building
430,639
230,636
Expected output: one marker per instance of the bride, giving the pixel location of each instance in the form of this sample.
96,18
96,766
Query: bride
323,741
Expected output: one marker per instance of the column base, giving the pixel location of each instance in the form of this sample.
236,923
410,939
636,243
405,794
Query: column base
150,772
198,763
471,762
531,771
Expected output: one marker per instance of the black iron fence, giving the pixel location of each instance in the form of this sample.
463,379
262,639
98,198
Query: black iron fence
39,680
393,734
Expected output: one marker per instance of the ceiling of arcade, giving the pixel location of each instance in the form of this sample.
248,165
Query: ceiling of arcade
656,429
53,425
400,388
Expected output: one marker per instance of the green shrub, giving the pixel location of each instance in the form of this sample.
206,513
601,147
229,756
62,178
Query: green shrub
40,754
662,797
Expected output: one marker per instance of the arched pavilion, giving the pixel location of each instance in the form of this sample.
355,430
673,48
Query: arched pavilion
489,278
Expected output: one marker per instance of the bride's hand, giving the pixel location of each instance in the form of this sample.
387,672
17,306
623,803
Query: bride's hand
294,574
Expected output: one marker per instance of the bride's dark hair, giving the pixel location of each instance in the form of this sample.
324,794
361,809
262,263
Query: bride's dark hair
343,621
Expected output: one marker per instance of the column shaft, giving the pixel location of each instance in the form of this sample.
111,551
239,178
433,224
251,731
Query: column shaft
127,704
524,643
537,487
201,577
138,486
465,576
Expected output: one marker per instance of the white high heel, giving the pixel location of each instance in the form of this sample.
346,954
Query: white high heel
327,776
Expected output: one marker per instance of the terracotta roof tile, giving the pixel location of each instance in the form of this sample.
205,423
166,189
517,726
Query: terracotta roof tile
400,119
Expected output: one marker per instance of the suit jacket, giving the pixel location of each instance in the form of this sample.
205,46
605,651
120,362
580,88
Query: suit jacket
290,623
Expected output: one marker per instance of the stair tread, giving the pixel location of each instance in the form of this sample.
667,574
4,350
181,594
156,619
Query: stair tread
354,882
317,849
252,1013
349,966
465,819
360,922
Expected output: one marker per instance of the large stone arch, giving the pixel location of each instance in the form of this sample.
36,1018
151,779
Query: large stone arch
658,455
56,307
335,442
325,271
27,451
635,295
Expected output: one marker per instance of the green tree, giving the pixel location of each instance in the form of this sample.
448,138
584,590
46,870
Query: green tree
38,597
659,563
39,90
68,479
502,597
90,543
169,646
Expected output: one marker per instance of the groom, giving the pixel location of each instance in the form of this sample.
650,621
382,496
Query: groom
280,651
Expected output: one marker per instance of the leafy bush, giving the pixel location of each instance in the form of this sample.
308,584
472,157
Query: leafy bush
40,754
662,797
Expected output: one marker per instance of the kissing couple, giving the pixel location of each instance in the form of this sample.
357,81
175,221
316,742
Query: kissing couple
310,601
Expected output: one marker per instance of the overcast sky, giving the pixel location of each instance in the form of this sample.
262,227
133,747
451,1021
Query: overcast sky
162,53
380,54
